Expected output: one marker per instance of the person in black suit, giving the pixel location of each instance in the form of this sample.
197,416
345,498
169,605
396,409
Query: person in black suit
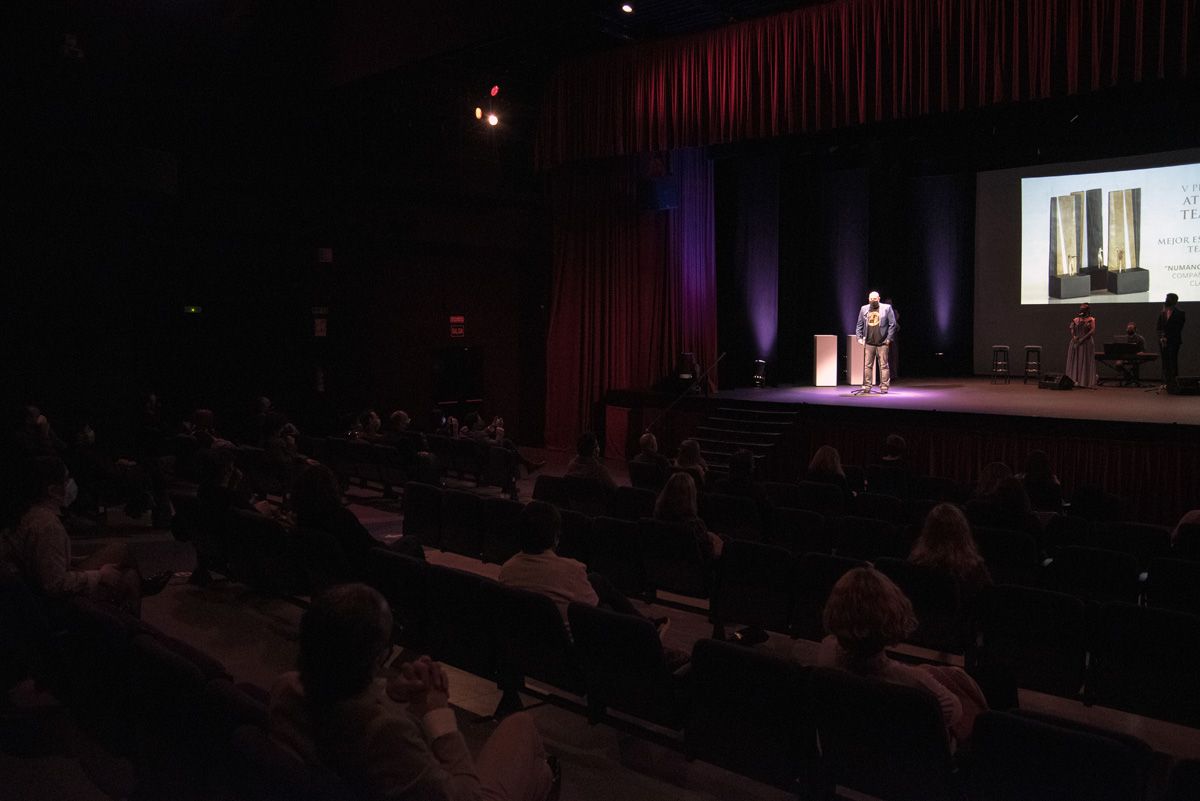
1170,328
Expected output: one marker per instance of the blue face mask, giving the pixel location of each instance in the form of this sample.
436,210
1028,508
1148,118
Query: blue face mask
70,492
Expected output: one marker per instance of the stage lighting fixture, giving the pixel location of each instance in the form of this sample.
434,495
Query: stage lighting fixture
478,113
493,119
495,90
760,373
628,9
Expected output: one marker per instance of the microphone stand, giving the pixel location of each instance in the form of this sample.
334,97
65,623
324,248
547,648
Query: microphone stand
681,395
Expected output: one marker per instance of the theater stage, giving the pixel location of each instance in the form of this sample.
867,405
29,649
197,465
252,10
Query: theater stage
1144,446
980,396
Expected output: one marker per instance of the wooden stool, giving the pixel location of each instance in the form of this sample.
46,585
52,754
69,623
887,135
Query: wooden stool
1000,364
1033,363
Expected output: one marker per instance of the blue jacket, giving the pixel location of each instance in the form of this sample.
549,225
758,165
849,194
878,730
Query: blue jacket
887,322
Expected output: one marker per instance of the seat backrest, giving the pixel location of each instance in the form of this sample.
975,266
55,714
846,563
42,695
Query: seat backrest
1174,584
767,734
1144,540
1187,542
615,549
587,496
500,468
632,503
423,513
673,558
462,630
1094,574
462,523
866,538
732,515
551,490
1015,758
814,496
501,529
264,771
888,480
1146,661
815,575
1184,781
1036,638
943,624
644,475
754,586
1012,557
883,739
533,639
625,667
575,536
798,530
878,506
402,580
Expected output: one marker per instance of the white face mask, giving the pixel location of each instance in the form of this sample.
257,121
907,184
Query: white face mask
70,491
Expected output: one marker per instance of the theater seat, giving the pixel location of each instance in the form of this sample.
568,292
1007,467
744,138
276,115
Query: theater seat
1036,639
533,641
1094,574
631,503
673,558
798,530
1174,584
815,575
866,538
423,513
882,739
462,523
1017,758
501,529
615,551
753,587
261,770
766,734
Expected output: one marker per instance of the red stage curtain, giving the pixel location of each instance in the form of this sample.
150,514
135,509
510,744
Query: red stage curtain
856,61
631,289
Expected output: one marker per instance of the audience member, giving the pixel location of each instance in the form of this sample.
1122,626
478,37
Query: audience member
648,452
677,504
151,431
368,427
989,479
202,427
586,463
36,438
946,544
690,460
895,452
102,479
220,492
1043,487
316,503
393,738
279,444
865,614
1007,507
826,468
473,427
741,479
39,549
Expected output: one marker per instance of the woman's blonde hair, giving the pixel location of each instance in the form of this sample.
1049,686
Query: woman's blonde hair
827,460
946,542
689,455
677,501
867,612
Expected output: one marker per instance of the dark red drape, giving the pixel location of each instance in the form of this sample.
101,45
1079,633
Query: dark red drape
631,289
856,61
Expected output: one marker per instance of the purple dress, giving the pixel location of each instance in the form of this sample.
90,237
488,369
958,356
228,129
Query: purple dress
1081,354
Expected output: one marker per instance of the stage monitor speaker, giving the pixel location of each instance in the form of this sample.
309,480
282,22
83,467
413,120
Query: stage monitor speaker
658,194
1185,385
1055,381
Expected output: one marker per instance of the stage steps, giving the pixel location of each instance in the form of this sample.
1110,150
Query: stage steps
732,428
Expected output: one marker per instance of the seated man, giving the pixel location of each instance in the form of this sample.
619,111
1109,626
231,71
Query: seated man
395,738
587,464
539,569
40,550
648,453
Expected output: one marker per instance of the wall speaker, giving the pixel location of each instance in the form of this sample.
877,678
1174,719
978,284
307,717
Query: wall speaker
1055,381
1185,385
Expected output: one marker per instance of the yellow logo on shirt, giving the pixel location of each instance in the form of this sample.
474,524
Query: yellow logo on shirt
872,318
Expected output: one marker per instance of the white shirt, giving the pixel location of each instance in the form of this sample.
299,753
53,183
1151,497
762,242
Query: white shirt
560,579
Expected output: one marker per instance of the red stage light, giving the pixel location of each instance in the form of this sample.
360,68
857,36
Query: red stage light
495,90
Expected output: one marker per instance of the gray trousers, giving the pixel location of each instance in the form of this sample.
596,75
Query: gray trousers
870,353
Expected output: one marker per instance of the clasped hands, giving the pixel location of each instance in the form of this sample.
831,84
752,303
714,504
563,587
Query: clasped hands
422,684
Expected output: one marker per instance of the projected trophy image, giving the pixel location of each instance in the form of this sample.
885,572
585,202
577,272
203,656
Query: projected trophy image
1125,273
1070,239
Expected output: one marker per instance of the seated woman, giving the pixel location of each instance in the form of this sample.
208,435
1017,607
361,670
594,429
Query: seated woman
316,503
945,544
691,461
866,612
989,479
368,427
677,504
1043,487
586,463
39,549
394,738
826,468
1007,507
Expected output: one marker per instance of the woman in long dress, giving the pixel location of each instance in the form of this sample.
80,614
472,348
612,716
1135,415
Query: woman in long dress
1081,353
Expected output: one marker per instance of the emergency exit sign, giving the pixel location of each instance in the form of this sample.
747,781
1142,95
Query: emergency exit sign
458,326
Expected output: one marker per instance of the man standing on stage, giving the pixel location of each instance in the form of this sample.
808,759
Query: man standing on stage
1170,328
875,331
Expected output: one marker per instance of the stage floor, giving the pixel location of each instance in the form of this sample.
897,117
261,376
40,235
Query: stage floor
981,396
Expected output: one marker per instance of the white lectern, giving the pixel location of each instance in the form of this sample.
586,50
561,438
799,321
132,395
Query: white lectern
825,360
854,362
